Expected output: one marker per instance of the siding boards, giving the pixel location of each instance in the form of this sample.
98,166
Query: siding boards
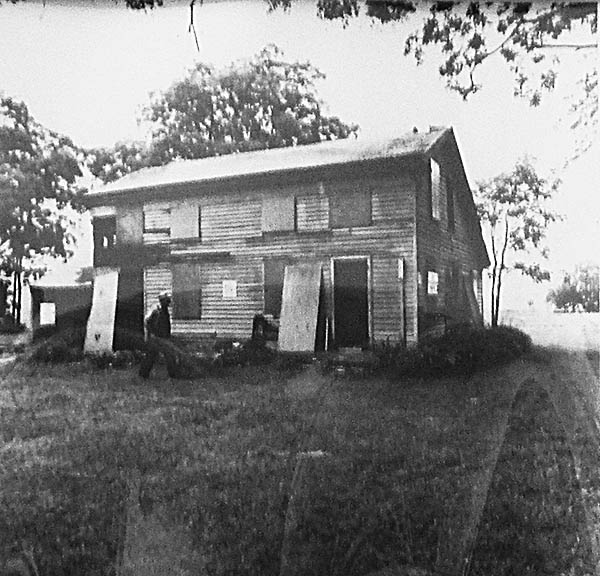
226,317
235,220
312,212
231,230
386,299
156,280
157,222
444,245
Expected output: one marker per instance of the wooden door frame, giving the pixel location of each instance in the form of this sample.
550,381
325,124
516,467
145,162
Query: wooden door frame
368,258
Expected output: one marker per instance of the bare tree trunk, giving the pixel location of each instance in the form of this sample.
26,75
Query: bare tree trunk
13,304
19,289
494,280
501,271
493,297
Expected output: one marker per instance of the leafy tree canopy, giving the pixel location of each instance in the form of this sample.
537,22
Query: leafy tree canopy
38,181
515,212
265,102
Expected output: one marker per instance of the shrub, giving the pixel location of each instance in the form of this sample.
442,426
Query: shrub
252,352
461,350
119,359
56,350
9,326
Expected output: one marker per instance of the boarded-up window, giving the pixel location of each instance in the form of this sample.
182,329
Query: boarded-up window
436,189
273,289
278,213
350,208
187,292
157,218
185,220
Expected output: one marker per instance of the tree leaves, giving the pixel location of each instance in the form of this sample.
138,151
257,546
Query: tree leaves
515,212
578,290
38,180
264,102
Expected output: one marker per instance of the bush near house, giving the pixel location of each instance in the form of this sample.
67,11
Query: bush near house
461,350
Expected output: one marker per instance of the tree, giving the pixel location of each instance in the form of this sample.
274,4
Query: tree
265,102
580,289
527,36
38,183
514,211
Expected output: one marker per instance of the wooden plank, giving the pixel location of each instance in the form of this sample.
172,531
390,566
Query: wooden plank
278,212
185,219
300,306
101,322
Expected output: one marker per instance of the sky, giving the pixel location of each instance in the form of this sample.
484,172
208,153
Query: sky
87,71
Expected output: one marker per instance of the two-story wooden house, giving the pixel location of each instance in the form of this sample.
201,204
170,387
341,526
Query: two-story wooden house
392,224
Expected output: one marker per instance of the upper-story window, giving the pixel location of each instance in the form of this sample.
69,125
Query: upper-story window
279,213
105,238
350,208
436,189
157,218
186,220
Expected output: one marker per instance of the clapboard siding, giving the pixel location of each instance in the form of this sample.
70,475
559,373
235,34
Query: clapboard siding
156,280
442,247
312,212
227,317
231,220
156,222
231,233
386,297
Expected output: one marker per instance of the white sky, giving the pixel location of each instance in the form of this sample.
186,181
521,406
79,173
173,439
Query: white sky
86,72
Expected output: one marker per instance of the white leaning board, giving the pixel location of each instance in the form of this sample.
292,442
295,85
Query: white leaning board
300,308
101,323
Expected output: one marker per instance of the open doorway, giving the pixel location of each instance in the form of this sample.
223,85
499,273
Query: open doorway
351,301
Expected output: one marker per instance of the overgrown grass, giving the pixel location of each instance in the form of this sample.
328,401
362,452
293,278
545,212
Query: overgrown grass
257,468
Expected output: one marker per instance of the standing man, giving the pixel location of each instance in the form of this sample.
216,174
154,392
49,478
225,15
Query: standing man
158,334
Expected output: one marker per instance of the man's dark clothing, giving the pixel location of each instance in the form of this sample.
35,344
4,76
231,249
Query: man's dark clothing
158,322
158,325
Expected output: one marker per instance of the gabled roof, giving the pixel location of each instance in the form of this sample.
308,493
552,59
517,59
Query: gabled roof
271,161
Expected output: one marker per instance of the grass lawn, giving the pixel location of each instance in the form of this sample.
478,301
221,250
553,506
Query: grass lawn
267,471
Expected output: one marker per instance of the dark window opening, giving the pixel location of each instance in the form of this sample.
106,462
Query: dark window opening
273,288
105,239
187,292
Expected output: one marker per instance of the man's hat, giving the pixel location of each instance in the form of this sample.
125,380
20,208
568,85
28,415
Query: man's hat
164,296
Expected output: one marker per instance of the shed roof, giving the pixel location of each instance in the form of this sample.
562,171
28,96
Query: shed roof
272,160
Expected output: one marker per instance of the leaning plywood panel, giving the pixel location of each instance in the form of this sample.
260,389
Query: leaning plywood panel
300,307
101,322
